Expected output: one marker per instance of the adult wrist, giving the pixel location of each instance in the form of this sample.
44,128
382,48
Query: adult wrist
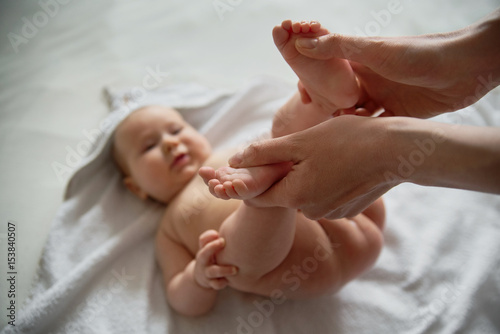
487,35
408,145
387,147
445,155
478,48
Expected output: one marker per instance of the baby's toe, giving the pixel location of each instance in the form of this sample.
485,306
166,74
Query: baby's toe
229,189
296,27
207,173
305,26
280,37
220,192
315,26
287,25
211,186
240,187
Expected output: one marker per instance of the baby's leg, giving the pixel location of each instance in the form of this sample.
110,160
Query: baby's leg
247,183
257,240
295,116
331,83
325,255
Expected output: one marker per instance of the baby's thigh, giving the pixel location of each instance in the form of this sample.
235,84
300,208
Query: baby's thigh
310,269
326,255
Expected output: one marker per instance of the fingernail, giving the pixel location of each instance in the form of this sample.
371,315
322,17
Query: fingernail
307,43
223,241
236,159
234,271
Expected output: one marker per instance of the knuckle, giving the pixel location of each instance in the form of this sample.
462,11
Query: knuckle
252,150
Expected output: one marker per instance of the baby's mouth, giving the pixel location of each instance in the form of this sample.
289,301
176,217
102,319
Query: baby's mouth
180,160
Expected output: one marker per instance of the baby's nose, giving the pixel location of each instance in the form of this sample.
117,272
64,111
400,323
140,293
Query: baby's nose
168,144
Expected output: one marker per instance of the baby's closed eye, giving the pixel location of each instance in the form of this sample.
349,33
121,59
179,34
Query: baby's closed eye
176,129
148,144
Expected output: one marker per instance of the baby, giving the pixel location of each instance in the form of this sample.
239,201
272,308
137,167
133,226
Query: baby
273,251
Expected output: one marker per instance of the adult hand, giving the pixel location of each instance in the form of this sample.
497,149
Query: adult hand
338,167
344,164
418,76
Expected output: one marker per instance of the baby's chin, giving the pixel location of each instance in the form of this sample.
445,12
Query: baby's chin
187,176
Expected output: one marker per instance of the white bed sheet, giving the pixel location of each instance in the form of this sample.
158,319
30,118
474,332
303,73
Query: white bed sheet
51,85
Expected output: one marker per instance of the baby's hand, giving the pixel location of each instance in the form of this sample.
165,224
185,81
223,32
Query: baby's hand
207,272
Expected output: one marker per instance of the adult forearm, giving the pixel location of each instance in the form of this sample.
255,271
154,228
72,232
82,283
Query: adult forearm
436,154
186,296
482,45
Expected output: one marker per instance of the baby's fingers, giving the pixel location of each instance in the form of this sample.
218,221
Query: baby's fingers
205,254
218,283
207,236
216,271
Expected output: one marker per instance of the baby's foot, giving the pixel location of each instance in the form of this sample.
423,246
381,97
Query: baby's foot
242,183
330,83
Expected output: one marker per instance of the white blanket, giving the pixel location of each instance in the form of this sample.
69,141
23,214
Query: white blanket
438,271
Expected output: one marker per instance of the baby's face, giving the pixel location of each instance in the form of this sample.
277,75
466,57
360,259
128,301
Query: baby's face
159,152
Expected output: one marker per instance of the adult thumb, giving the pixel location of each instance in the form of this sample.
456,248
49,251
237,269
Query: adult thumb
264,152
333,45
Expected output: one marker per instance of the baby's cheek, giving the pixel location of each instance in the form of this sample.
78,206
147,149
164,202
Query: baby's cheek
151,178
206,151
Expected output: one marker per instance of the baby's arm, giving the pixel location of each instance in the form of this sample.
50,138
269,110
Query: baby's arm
191,284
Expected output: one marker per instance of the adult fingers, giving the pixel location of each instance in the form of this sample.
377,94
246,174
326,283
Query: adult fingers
266,152
278,195
355,206
359,49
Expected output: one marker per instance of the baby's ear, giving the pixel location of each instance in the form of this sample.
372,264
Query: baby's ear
129,182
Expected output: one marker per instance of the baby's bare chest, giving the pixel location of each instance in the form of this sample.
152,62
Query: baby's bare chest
196,210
